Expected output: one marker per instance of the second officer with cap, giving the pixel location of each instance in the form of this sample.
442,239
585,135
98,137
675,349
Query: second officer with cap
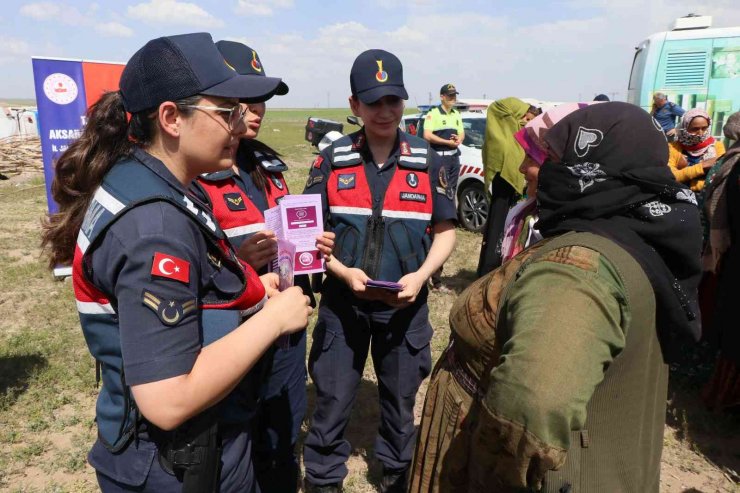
383,198
239,197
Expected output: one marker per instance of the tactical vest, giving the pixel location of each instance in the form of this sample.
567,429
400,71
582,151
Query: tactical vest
386,233
129,184
620,446
239,217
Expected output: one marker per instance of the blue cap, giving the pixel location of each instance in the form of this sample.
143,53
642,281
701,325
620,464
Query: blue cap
377,73
247,62
176,67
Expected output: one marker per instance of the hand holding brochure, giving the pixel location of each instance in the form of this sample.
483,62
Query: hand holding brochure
390,286
298,219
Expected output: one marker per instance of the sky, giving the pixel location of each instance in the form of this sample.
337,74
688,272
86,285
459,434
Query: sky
551,51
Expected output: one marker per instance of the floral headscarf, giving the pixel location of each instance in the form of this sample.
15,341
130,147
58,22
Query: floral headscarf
696,145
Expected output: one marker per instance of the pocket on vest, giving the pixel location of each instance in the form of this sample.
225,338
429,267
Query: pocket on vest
346,246
130,466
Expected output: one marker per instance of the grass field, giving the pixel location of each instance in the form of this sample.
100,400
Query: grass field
47,377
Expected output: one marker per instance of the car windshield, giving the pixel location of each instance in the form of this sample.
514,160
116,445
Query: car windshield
475,131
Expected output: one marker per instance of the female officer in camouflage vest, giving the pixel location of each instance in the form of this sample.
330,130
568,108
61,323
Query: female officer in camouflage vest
150,259
555,377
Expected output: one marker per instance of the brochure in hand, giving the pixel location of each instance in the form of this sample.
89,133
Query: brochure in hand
298,220
390,286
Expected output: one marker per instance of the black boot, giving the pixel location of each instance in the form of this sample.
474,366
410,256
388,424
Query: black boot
394,481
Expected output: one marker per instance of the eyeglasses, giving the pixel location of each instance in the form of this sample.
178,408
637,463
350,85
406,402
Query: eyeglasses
234,114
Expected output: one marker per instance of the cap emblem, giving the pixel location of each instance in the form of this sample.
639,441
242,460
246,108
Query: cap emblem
381,75
256,65
229,65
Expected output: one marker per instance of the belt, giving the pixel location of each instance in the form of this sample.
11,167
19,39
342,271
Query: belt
467,381
452,152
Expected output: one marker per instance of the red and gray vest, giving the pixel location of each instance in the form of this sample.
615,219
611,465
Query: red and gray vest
239,217
386,233
128,184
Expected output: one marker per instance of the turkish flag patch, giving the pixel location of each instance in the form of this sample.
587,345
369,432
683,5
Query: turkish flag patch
317,162
171,267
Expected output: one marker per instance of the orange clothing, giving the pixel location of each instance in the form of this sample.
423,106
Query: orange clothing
691,175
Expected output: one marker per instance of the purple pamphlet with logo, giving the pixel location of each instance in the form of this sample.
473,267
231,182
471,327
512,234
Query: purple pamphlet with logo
390,286
298,219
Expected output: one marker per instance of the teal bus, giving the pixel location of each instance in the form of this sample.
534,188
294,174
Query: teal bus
694,65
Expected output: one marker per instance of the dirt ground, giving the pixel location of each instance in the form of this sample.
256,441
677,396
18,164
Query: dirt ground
46,414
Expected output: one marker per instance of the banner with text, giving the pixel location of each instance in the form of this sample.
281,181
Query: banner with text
65,89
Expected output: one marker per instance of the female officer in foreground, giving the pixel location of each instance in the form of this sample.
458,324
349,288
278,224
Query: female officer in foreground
149,260
238,197
384,193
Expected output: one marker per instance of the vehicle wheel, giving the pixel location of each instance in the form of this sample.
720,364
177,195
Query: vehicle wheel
472,206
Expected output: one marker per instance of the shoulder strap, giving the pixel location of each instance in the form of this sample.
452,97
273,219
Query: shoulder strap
414,152
345,151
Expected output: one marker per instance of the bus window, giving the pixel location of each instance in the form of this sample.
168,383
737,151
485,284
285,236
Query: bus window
638,67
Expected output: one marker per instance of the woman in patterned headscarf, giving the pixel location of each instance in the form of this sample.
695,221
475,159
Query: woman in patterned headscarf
695,151
555,377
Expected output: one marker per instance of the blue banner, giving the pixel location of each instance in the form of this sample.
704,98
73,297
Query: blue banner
61,101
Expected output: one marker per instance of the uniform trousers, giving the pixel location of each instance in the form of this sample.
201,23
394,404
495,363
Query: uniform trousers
279,416
342,339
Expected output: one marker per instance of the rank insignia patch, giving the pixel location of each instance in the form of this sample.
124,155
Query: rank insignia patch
313,180
277,182
412,180
405,149
169,312
235,201
346,181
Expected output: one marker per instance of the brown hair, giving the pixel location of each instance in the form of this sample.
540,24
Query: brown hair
245,154
107,137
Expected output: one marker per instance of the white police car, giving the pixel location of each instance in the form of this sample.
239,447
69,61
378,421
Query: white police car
471,201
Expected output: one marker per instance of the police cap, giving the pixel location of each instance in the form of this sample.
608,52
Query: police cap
247,62
175,67
448,90
377,73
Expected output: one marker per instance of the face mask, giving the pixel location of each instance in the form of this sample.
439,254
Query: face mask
690,140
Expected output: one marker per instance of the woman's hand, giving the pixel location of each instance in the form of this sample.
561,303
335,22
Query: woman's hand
412,284
259,248
356,280
325,244
708,163
289,310
271,282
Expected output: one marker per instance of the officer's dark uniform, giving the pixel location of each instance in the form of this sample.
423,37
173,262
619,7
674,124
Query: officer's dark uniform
382,218
151,263
238,205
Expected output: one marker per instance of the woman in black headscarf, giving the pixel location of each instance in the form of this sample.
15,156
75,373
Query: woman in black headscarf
556,374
